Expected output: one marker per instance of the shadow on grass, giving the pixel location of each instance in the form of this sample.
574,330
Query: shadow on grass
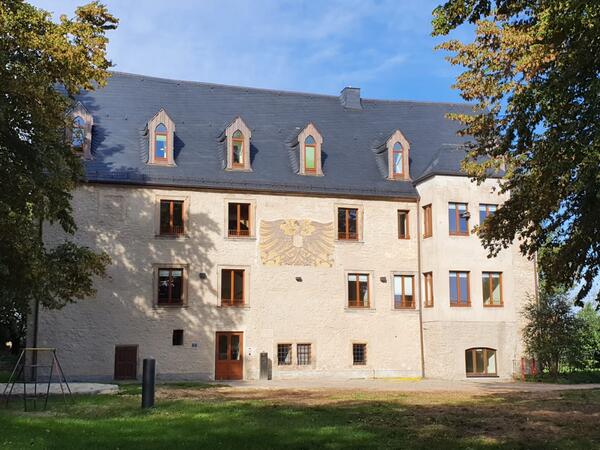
557,420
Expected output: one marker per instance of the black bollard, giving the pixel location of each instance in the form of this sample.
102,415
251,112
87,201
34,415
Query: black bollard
148,376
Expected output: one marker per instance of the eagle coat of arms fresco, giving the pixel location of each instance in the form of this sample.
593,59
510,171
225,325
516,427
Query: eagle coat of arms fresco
292,242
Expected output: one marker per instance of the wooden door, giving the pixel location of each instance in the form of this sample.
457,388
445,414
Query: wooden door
229,358
126,362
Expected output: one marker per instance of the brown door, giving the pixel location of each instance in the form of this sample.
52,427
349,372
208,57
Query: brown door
229,360
126,362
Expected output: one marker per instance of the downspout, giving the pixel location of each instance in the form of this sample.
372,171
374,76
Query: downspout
419,287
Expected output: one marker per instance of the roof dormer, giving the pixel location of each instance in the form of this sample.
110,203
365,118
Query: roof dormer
79,133
238,137
398,150
161,131
309,145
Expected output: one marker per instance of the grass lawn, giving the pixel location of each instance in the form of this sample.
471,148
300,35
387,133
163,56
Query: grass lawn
188,416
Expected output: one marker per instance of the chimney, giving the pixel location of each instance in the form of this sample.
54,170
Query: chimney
350,98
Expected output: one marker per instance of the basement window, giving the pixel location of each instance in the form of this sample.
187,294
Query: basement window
359,354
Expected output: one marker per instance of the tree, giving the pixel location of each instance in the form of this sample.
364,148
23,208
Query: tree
533,74
589,346
552,332
43,64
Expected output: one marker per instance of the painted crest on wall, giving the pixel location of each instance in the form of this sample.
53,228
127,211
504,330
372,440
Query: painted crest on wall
292,242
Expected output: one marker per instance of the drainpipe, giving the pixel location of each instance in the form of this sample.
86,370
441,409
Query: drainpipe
419,287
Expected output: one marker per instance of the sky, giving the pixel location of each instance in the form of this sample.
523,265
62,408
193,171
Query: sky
383,47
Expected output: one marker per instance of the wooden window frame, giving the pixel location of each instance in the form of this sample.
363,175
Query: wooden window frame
457,219
427,221
238,231
241,141
231,302
487,210
171,304
394,153
309,130
347,235
291,355
485,373
406,213
161,159
491,290
458,291
307,345
169,159
78,110
357,288
403,305
428,289
364,361
172,231
234,126
305,146
397,136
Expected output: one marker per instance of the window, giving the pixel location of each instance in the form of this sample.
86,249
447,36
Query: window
427,222
348,224
78,134
358,290
232,287
171,217
309,148
303,354
428,281
237,147
359,354
458,219
177,337
239,219
310,155
404,291
284,354
403,225
486,210
459,289
160,142
398,159
480,362
492,288
170,286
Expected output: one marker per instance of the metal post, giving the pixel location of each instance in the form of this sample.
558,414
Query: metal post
148,378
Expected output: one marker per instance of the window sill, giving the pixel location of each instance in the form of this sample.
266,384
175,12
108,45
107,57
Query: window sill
172,237
238,169
350,241
460,306
427,236
244,306
427,306
404,309
459,234
172,306
407,238
481,375
358,308
240,238
493,306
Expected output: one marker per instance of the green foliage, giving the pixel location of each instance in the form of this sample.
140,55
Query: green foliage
589,339
42,65
533,75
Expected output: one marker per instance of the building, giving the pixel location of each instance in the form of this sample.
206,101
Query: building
334,234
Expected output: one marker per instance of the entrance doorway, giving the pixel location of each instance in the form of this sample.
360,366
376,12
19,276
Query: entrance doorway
229,358
126,362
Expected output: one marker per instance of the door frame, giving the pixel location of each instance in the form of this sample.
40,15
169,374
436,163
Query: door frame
229,333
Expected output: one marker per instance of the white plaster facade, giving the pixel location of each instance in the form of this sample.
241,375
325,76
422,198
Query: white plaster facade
122,220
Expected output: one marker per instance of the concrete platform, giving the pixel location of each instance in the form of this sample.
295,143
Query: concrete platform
76,388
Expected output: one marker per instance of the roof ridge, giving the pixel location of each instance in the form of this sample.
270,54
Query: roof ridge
281,91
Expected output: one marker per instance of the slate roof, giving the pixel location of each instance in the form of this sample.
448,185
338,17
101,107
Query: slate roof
352,138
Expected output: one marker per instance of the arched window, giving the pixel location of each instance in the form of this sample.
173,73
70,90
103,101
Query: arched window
78,134
310,155
237,149
480,362
398,159
160,142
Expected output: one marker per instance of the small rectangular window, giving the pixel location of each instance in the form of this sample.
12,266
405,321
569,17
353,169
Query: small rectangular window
486,210
284,354
404,292
492,288
359,354
428,281
239,219
170,286
309,158
232,287
459,289
171,217
303,354
358,290
160,146
458,219
427,222
348,224
403,225
177,337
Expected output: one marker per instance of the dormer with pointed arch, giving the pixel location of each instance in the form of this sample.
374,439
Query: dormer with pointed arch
398,152
238,137
79,133
161,131
309,146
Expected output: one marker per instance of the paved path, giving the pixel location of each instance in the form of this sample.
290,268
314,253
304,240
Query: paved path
76,388
394,384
